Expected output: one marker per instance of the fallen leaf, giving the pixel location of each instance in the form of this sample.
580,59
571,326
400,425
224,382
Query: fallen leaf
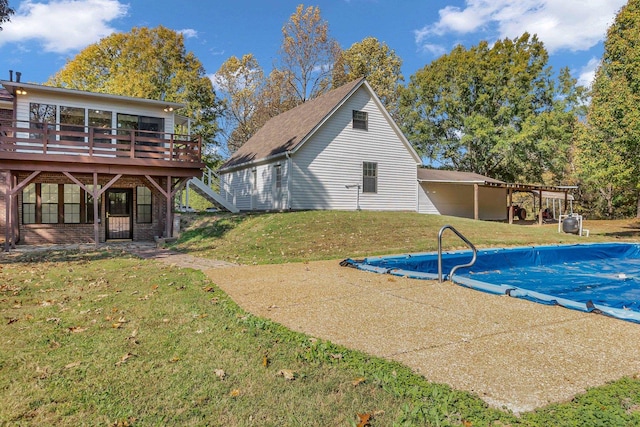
209,289
12,320
154,287
466,423
288,374
77,329
363,420
336,356
72,365
235,392
220,373
54,344
124,358
174,359
358,381
265,361
116,325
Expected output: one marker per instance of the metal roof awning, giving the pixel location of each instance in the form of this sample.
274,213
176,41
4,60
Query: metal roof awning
555,195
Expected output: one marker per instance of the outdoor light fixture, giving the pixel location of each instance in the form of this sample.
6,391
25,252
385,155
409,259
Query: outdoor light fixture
168,109
21,91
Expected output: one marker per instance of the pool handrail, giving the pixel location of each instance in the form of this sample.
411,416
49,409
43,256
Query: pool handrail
464,239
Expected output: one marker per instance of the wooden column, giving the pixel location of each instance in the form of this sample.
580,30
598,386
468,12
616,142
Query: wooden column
540,207
510,202
96,209
476,199
169,216
8,203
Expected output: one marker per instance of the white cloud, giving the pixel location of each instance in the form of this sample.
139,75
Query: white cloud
62,25
188,33
588,72
573,25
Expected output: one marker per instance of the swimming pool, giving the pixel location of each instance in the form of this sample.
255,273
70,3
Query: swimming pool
600,277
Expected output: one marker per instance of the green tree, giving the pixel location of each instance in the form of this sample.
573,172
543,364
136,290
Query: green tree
609,152
146,63
378,63
5,12
239,83
307,54
493,110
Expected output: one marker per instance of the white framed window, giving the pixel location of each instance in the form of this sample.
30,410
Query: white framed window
360,120
277,177
369,177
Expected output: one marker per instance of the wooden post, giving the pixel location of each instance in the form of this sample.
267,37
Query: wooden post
540,207
476,209
510,203
169,216
132,149
96,210
8,204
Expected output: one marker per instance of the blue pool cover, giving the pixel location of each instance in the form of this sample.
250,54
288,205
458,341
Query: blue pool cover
600,277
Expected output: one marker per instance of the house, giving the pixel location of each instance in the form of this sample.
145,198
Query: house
341,151
462,194
78,166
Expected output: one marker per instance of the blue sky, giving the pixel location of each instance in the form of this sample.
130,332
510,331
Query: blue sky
42,35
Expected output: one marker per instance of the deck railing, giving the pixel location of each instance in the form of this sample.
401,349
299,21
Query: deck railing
77,140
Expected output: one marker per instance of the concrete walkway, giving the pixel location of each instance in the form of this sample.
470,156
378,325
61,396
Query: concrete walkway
513,353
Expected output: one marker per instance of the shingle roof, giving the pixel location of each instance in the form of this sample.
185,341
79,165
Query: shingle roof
286,131
439,175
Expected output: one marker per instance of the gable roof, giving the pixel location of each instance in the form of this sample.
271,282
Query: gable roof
288,131
454,177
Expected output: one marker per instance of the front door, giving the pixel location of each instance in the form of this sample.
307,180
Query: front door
119,214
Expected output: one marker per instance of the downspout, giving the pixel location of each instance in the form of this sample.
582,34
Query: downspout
289,174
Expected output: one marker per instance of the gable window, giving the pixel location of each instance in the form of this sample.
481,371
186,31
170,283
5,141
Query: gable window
369,177
143,202
360,120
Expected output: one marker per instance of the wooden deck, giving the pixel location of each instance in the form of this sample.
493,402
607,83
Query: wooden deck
23,144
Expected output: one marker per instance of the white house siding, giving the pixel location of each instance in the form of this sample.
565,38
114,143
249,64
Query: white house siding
94,103
238,187
332,159
457,200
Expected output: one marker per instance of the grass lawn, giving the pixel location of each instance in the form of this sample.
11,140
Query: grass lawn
103,338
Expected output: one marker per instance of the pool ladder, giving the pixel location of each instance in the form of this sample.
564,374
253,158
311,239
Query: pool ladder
464,239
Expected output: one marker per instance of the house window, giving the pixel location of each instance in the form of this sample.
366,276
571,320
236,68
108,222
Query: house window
88,204
72,121
360,120
143,201
100,121
277,177
148,128
71,204
49,195
29,203
41,116
369,177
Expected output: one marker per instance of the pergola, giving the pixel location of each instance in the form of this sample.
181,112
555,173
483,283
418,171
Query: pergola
540,190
